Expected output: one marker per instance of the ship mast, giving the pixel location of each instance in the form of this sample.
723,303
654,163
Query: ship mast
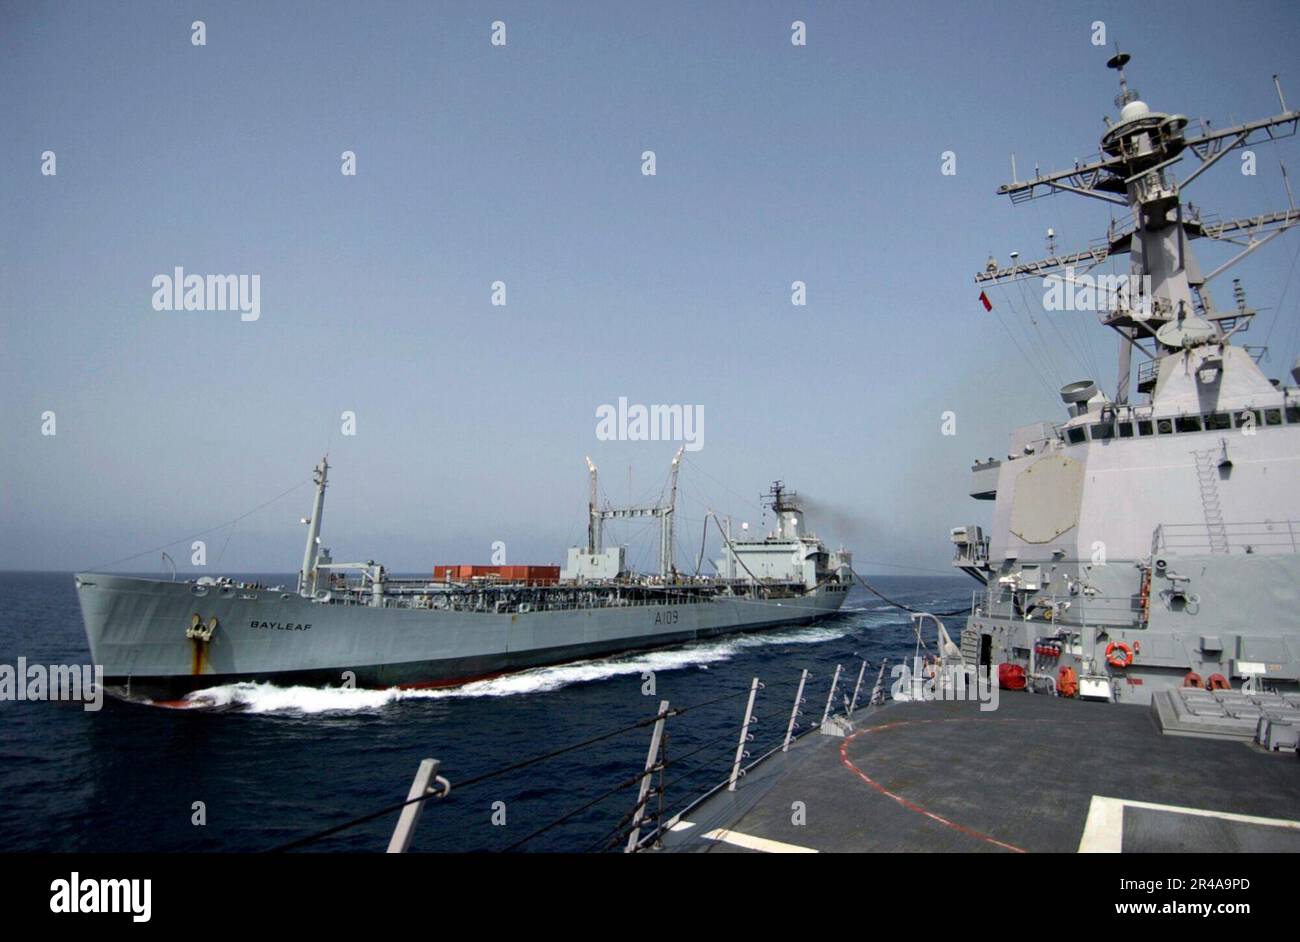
664,512
307,574
785,505
1134,170
667,520
593,518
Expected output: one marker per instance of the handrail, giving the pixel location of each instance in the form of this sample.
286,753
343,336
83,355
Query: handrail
1263,537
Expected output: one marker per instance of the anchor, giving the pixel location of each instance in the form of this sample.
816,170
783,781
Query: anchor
201,631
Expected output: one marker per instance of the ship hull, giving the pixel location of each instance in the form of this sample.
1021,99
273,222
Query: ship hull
136,629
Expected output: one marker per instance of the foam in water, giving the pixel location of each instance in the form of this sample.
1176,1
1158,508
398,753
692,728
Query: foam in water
268,698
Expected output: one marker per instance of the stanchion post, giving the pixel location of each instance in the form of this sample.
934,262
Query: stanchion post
410,815
744,736
830,697
794,711
651,757
857,688
878,691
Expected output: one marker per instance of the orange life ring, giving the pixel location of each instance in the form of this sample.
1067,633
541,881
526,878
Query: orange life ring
1193,679
1219,682
1119,654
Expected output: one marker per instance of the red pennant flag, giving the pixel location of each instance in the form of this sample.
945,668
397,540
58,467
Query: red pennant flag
984,299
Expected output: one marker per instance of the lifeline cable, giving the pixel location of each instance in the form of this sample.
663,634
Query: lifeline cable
398,806
614,836
187,539
581,808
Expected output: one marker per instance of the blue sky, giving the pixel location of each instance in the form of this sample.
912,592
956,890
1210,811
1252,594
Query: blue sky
523,164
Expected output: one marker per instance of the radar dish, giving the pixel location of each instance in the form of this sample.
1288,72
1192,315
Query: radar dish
1081,391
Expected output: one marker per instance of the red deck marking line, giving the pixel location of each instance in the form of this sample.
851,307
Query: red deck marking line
911,805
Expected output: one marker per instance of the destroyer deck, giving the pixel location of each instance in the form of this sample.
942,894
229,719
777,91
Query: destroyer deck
1038,774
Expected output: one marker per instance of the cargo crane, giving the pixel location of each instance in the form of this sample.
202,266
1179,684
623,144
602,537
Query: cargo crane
596,517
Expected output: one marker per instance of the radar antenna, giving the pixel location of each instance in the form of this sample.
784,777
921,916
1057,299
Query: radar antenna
1134,170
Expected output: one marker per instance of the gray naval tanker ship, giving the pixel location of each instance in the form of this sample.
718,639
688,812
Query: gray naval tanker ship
1127,678
353,623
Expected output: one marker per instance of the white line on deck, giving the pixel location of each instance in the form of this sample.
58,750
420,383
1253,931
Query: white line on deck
749,842
1103,833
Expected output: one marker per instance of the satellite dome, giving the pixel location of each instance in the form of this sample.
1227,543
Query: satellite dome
1134,109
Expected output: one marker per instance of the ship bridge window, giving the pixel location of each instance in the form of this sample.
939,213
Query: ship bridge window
1248,417
1126,430
1293,414
1103,431
1164,426
1272,416
1145,427
1189,423
1075,435
1218,420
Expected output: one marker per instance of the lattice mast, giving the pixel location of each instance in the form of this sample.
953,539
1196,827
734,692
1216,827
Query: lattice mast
1135,169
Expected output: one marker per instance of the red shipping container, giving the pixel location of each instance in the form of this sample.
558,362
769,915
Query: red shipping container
529,575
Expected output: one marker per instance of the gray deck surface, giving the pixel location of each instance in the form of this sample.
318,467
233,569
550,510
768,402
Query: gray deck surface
1021,777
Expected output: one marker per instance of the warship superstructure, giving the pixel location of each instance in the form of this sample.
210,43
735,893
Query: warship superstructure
1138,546
1141,553
353,623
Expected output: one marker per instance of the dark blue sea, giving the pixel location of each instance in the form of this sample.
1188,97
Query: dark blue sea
272,765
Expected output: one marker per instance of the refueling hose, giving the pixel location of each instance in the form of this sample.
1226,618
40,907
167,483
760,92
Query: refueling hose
876,592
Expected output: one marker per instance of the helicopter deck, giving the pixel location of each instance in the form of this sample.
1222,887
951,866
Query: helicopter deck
1037,774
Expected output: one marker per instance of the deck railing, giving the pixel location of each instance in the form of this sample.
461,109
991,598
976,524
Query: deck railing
1063,609
1267,537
